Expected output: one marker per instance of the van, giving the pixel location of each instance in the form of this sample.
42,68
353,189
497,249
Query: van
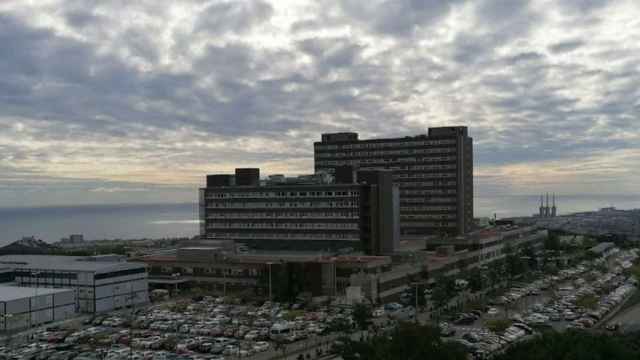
280,331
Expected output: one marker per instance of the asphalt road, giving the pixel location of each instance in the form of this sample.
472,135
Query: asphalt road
629,319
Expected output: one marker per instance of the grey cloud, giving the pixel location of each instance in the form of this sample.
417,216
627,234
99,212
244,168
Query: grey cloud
234,16
81,101
331,53
583,6
566,46
81,19
398,17
525,57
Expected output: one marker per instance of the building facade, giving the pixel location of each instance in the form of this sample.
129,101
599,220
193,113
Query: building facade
291,273
434,173
100,285
24,307
302,213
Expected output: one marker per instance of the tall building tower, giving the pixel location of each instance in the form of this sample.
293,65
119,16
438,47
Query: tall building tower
434,173
554,209
541,206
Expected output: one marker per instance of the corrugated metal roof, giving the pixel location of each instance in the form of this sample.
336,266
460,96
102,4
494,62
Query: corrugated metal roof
64,263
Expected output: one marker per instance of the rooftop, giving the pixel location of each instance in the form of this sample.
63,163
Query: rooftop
64,263
9,293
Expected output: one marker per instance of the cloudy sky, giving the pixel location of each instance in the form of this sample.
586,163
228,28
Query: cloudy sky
111,101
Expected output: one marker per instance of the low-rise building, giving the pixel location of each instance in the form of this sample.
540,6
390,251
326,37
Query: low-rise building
23,307
100,283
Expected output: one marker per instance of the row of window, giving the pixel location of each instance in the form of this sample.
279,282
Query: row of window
248,225
287,215
282,194
251,272
426,192
279,236
421,200
427,208
380,162
283,205
113,274
426,175
45,275
380,145
428,224
427,216
378,154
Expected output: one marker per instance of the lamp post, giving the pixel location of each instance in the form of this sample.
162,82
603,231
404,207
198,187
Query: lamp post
176,277
417,284
224,278
4,319
132,300
35,298
270,284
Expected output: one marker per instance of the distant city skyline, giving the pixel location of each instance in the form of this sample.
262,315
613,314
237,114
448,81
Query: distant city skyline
105,102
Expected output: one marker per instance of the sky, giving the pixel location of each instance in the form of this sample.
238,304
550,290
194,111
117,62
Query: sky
134,101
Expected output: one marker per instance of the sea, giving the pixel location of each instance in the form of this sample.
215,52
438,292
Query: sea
137,221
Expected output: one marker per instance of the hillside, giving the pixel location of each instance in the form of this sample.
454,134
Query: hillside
28,246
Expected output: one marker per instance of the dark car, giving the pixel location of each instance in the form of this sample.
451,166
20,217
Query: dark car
465,320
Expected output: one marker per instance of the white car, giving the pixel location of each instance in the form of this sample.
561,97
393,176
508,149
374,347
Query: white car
261,346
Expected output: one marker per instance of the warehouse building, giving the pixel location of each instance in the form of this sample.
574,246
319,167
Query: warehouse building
101,284
23,307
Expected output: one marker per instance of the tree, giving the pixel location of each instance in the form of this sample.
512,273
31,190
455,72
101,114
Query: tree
552,242
495,272
340,324
575,345
635,272
444,291
362,316
475,279
408,342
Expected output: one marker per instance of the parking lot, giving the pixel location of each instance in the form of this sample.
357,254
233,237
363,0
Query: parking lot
576,298
215,328
200,328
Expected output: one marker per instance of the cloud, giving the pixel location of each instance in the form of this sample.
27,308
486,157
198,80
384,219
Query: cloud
566,46
120,95
117,190
398,17
222,17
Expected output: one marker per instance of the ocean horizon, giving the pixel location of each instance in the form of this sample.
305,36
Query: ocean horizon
137,221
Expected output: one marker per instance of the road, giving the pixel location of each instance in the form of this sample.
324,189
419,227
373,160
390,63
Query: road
628,319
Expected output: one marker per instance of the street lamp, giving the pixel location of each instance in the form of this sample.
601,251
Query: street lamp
176,277
4,319
270,289
417,284
35,298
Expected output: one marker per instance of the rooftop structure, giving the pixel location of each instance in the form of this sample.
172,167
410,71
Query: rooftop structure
65,263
